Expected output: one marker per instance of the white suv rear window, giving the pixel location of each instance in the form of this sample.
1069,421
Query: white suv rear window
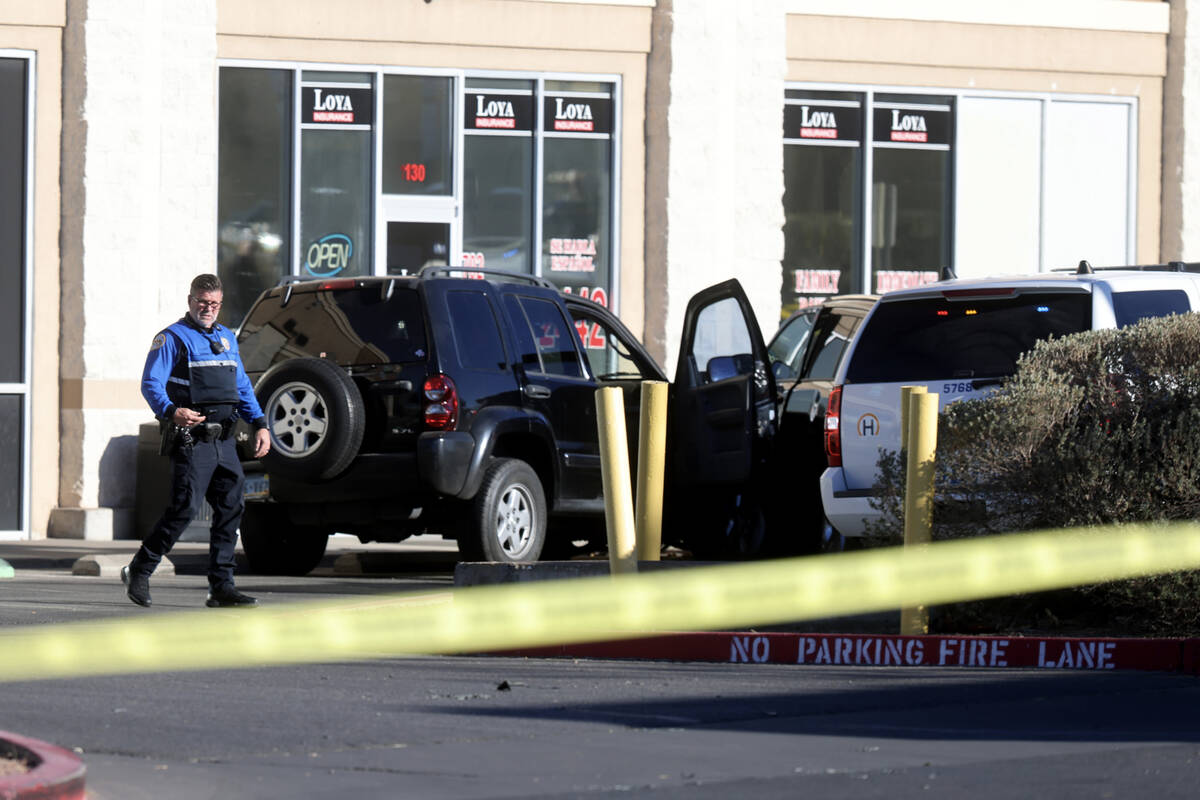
1131,307
937,338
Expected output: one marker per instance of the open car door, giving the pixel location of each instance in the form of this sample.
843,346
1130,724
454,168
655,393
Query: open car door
724,393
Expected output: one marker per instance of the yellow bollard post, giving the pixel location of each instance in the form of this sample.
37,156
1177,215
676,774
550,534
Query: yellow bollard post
614,471
905,393
651,469
918,491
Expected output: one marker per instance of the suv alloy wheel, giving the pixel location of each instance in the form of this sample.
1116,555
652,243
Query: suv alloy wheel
508,519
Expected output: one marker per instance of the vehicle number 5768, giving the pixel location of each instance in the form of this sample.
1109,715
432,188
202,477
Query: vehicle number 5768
957,388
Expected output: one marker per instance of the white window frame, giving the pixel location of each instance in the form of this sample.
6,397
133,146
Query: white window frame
23,388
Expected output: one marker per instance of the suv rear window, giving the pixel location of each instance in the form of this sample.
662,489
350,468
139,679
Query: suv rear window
1131,307
360,326
936,338
476,333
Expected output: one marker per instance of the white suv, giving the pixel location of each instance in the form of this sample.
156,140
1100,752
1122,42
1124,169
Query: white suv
961,338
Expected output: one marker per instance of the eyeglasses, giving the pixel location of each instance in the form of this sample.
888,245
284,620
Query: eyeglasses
207,304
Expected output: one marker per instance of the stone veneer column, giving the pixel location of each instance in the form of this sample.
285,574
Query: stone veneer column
139,168
1181,136
714,184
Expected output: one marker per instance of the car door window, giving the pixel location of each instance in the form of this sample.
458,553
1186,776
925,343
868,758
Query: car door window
722,345
791,342
548,341
609,356
831,333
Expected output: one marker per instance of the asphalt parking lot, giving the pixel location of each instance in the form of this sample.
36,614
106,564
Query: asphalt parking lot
501,727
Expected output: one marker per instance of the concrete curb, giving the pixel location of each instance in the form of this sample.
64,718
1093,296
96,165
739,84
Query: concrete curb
842,641
109,566
57,774
879,650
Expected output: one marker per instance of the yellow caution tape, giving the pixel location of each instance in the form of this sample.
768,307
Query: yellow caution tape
590,609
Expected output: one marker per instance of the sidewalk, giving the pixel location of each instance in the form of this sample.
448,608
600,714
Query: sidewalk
46,554
345,554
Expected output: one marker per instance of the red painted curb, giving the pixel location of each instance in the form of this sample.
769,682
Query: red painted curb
57,775
1038,652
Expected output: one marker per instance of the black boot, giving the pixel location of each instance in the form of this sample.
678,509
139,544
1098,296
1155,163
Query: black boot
226,595
137,586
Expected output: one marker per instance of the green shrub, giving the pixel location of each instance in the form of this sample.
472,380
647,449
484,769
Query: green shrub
1097,428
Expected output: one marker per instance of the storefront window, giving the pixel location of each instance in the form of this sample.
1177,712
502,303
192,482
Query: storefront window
417,126
335,174
577,123
498,175
532,193
822,201
910,195
254,184
831,215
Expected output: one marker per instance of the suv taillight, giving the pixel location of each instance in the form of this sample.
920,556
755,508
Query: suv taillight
833,427
441,403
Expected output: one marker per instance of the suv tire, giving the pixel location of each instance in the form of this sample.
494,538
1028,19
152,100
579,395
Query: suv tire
274,546
315,415
508,515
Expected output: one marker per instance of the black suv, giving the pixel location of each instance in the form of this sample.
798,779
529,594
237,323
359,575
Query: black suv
441,403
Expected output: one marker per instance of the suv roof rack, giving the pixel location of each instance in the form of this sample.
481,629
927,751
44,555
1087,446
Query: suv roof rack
1085,267
448,272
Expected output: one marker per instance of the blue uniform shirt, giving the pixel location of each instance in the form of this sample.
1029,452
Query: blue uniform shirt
196,368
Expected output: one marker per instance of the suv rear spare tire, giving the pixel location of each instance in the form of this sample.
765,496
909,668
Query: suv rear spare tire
315,415
508,515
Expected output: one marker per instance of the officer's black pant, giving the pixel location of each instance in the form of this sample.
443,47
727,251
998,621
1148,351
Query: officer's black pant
206,470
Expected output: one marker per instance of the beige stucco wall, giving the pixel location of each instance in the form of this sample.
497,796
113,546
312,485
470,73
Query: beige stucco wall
138,221
973,56
599,39
37,28
1181,147
718,199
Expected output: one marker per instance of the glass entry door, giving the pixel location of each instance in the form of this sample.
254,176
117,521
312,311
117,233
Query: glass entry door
414,245
418,213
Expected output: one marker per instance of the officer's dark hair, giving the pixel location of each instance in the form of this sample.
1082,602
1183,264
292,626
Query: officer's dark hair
205,283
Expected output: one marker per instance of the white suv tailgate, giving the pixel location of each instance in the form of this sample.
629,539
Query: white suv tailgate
871,421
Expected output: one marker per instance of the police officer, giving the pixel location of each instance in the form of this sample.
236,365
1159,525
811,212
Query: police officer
196,385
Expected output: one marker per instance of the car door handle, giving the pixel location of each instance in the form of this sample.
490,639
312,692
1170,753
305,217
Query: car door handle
535,391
